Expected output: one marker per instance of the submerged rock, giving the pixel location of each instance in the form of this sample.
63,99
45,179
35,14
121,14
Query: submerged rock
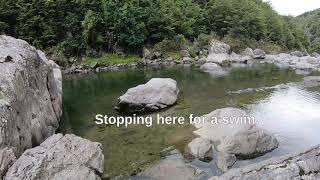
30,97
156,94
218,52
60,157
213,69
172,167
310,81
305,165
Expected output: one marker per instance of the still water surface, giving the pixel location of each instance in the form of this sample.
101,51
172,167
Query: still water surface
292,114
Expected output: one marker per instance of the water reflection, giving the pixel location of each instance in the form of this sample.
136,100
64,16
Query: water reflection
292,114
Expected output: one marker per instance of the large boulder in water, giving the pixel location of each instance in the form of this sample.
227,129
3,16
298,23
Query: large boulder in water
30,98
237,135
218,52
249,143
156,94
60,157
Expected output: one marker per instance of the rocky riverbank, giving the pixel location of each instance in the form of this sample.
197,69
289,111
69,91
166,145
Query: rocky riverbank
305,165
219,55
30,111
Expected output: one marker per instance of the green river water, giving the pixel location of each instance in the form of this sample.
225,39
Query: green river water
129,150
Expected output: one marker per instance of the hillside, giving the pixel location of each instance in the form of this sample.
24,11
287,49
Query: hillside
310,21
77,28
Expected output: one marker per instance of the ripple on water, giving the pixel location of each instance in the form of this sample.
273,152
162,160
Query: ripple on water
292,114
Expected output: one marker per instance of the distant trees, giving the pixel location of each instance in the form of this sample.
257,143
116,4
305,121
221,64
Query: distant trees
74,26
311,24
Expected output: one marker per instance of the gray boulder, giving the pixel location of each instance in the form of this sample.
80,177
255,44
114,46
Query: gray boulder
236,134
60,157
225,161
156,94
305,165
249,143
310,81
30,96
247,52
213,127
236,58
315,54
297,53
218,52
201,148
311,60
303,66
259,54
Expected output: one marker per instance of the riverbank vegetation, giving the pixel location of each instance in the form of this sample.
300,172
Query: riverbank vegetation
310,21
73,28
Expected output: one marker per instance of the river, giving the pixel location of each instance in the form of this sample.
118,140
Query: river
291,114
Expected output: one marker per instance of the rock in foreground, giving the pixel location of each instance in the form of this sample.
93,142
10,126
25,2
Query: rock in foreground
60,157
30,98
155,95
303,166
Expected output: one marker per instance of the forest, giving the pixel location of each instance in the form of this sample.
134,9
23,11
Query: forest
76,28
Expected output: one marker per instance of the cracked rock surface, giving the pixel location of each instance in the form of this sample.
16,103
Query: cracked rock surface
30,99
60,158
304,166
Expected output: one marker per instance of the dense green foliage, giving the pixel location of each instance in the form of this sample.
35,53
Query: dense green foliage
75,27
311,23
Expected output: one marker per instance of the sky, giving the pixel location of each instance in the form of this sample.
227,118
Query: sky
294,7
